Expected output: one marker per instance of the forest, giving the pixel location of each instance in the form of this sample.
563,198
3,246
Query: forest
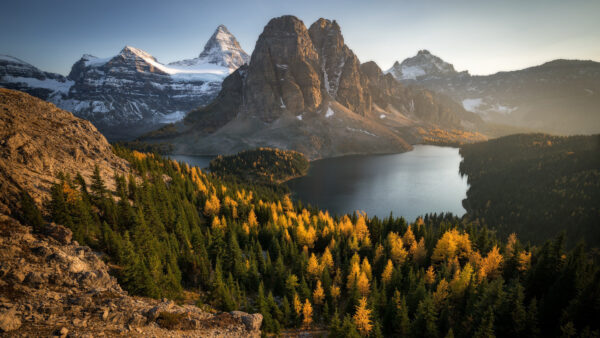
536,185
263,165
169,227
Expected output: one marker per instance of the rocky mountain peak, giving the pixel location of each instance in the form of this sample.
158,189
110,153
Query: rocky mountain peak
283,73
340,67
422,65
223,49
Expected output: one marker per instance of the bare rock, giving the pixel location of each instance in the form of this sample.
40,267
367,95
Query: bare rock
9,320
252,321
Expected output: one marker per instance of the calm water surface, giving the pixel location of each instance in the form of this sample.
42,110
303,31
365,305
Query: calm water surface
424,180
198,161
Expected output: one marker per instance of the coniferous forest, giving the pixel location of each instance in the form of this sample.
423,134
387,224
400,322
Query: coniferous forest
169,227
536,185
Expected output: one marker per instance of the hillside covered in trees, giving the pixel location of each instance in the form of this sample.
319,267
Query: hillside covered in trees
169,227
266,165
536,185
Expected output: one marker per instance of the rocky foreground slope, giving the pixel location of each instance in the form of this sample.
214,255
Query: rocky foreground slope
50,284
39,140
305,90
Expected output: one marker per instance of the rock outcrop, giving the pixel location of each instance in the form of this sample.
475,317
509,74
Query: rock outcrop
39,140
52,286
305,90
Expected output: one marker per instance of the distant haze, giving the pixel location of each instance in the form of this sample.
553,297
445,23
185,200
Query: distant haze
480,36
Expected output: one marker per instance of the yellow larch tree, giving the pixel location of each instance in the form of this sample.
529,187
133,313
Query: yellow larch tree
307,314
362,317
318,294
365,267
362,284
397,251
386,275
313,269
430,275
327,259
212,205
252,221
297,304
409,237
490,265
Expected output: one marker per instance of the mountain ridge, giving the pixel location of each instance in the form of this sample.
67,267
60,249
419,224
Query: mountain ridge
131,92
559,96
304,89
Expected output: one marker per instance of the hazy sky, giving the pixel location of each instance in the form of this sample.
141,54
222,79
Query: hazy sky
481,36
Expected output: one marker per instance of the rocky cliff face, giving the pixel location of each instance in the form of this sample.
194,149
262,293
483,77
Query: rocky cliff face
131,93
561,96
39,140
305,90
49,284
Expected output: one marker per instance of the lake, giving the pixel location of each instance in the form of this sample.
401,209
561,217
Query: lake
424,180
197,161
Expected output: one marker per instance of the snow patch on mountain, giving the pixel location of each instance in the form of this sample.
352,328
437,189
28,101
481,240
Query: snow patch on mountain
50,84
329,112
472,104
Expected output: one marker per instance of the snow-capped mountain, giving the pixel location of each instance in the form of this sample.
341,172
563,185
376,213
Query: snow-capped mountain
222,49
559,96
423,65
131,93
20,75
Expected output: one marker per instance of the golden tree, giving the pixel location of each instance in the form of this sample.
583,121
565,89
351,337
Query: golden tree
362,317
327,259
297,304
362,284
307,313
397,251
313,268
386,275
212,205
430,275
318,294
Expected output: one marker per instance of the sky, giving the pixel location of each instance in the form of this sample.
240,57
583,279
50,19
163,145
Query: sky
482,36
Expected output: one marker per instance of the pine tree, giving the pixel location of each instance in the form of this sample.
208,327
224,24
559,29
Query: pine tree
30,214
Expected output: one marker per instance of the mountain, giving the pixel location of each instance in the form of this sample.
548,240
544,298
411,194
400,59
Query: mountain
424,64
560,96
51,284
20,75
131,93
222,49
305,90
